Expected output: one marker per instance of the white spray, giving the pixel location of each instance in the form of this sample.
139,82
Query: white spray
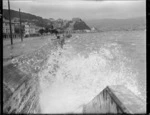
70,79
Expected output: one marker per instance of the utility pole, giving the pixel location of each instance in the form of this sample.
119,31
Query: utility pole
10,23
20,26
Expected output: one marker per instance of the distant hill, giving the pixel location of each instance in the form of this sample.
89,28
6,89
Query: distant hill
81,25
39,21
118,24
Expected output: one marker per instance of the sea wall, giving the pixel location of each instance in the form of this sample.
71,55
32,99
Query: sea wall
115,99
21,82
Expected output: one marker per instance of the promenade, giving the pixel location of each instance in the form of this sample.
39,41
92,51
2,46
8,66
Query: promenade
19,48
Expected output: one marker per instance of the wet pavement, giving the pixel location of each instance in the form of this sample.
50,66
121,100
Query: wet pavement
20,48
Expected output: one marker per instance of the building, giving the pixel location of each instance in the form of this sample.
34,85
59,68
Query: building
37,28
34,29
87,31
15,19
51,19
26,30
93,29
6,28
59,20
57,25
31,29
69,30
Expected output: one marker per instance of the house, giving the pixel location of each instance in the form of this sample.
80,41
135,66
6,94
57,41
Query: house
51,19
15,19
6,28
69,30
57,25
26,30
37,28
59,20
34,29
31,29
87,31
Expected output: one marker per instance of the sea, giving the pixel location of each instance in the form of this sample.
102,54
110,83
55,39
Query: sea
89,62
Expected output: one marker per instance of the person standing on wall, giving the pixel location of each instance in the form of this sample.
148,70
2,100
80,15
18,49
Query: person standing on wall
61,40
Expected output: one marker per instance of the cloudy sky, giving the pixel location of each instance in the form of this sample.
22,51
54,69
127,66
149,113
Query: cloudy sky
85,9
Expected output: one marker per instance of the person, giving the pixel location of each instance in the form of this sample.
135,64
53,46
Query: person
58,40
62,41
58,37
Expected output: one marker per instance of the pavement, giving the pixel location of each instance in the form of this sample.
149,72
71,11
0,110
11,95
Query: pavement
19,48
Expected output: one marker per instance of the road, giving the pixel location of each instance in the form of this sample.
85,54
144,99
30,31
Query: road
19,48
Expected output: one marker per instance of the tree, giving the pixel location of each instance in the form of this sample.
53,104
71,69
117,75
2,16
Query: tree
46,30
17,29
41,31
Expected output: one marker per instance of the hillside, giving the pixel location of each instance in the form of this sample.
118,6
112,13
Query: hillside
80,26
118,24
39,21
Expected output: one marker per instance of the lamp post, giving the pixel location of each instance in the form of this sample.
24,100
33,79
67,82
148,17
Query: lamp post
20,26
11,39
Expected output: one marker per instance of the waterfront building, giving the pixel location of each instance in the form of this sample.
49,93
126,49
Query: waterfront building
6,28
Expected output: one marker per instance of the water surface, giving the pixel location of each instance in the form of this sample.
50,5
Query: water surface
90,62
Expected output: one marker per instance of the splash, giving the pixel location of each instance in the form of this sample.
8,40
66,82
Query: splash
70,80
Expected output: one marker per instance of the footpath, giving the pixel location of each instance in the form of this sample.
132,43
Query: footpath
19,48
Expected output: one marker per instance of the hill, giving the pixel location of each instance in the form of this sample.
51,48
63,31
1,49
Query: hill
75,24
81,25
39,21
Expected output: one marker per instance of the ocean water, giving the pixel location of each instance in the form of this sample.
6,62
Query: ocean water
73,76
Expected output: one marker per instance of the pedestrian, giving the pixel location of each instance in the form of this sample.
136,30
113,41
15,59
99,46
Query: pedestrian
58,40
62,41
58,37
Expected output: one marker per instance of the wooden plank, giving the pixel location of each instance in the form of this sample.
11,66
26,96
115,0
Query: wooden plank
116,99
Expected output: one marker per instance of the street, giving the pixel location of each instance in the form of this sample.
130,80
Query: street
19,48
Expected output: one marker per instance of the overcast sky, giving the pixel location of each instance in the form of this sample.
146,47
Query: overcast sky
85,9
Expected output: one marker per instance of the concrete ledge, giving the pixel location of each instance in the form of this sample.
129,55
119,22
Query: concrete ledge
18,88
21,84
116,99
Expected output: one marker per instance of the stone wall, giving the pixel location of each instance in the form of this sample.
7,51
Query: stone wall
21,82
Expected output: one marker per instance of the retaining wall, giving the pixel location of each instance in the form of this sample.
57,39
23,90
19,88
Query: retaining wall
21,83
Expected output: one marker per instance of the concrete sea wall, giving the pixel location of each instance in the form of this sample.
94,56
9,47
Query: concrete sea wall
21,83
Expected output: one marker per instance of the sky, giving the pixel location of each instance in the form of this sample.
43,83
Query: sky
84,9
